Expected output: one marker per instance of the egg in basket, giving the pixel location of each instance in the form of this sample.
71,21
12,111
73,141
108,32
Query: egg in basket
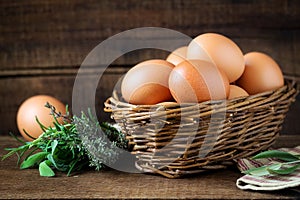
204,106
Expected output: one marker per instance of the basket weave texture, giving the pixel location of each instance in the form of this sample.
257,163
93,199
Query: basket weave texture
177,139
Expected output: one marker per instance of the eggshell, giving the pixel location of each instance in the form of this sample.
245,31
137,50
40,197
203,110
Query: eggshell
221,51
194,81
261,74
147,82
236,91
35,107
177,56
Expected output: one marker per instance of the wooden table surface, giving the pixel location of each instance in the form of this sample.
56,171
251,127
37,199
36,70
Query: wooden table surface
27,184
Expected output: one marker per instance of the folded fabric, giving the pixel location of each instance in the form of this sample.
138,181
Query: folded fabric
267,182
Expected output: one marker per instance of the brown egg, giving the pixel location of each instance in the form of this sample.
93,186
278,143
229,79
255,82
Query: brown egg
147,82
177,56
261,74
194,81
236,91
221,51
35,107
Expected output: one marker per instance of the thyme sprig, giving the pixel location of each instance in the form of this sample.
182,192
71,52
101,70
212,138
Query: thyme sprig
62,148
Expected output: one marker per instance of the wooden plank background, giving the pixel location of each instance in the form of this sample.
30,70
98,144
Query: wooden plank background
43,43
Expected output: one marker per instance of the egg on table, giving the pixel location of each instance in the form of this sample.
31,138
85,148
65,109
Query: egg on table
261,74
147,82
194,81
221,51
35,107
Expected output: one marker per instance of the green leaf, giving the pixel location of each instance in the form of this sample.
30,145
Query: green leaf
58,164
285,156
262,171
11,152
57,126
33,160
45,170
284,171
44,128
51,159
53,146
73,164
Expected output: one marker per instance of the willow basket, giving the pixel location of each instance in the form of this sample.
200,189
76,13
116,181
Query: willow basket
177,139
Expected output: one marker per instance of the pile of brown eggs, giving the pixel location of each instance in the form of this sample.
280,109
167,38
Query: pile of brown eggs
211,67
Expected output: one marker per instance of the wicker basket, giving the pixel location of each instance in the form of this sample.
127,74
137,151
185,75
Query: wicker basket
177,139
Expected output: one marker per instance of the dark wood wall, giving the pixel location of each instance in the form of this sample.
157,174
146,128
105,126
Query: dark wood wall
43,43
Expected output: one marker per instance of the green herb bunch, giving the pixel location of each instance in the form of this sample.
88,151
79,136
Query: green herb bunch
101,148
62,148
288,164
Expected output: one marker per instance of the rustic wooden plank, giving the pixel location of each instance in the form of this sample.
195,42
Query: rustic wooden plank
54,15
276,48
110,184
61,33
43,43
16,89
295,52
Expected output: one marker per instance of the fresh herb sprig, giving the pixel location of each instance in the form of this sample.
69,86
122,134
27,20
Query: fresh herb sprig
61,148
100,148
288,164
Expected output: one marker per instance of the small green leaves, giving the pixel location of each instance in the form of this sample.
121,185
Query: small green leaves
285,156
61,148
53,146
290,163
33,160
285,171
262,171
45,170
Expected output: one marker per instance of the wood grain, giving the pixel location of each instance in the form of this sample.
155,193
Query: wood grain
43,43
111,184
55,33
15,90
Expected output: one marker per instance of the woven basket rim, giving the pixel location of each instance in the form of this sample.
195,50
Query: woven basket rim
115,98
251,124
